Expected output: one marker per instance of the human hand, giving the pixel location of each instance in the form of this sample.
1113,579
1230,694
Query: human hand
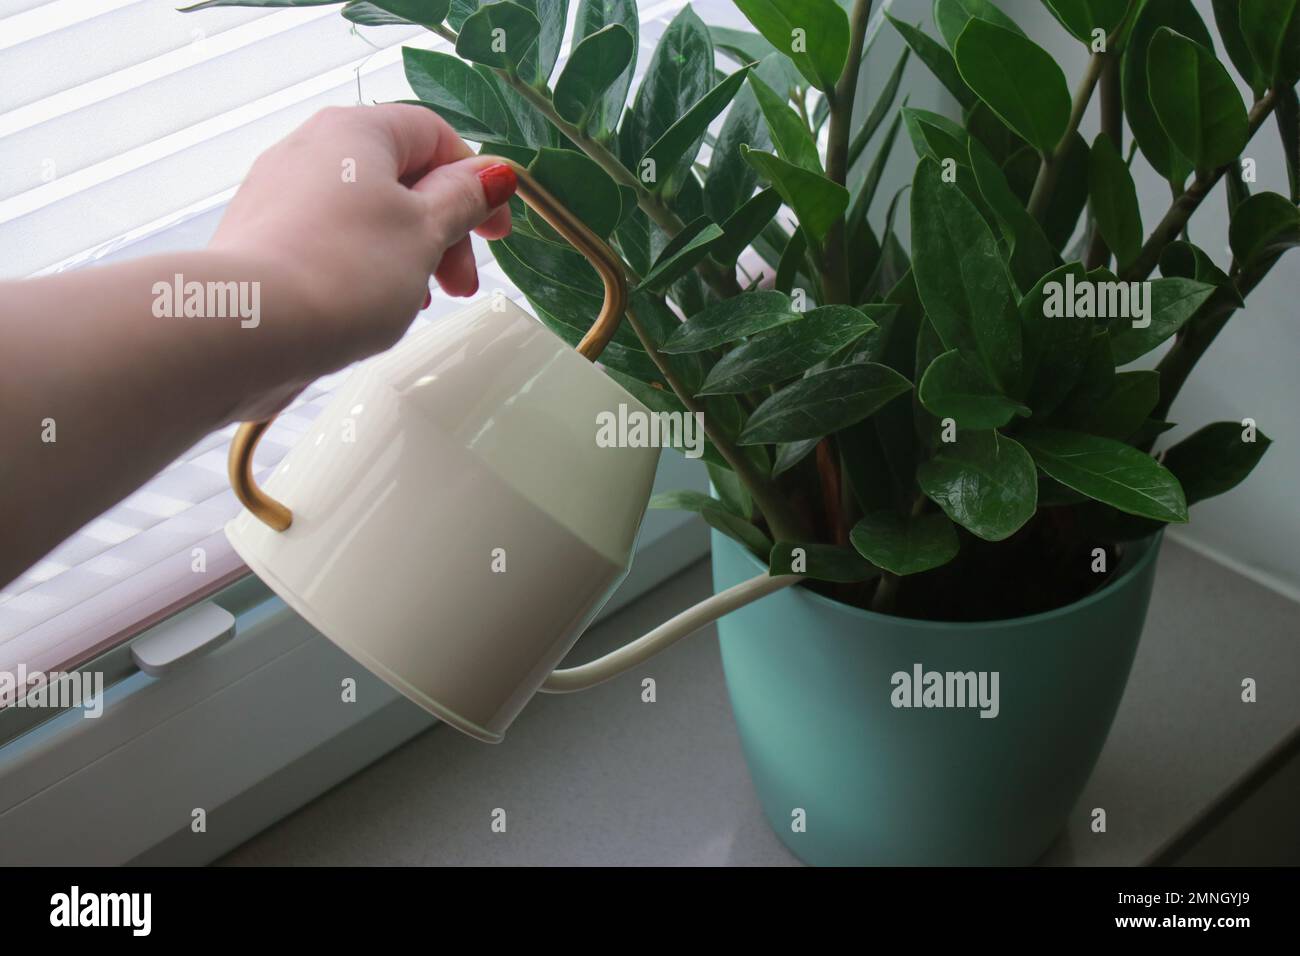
353,211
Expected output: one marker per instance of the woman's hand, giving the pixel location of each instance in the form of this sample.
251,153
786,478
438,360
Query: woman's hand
357,208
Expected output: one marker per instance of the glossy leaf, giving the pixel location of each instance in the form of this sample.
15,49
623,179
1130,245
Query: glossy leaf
1215,459
1173,302
1107,471
1082,17
688,248
1114,200
593,16
499,35
1271,29
1227,17
793,141
960,277
744,226
881,109
676,148
1265,225
823,403
816,200
984,481
731,319
954,388
595,65
825,562
1017,79
951,17
1287,112
1123,411
814,34
1056,348
1032,255
1195,100
787,351
581,185
1151,137
717,516
905,545
680,72
745,47
939,61
451,88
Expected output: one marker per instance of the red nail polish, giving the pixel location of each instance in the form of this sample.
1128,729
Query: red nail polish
499,183
428,300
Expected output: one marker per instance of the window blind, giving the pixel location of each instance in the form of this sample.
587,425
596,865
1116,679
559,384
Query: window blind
124,128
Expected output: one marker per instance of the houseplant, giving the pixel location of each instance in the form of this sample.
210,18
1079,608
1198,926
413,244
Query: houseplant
945,441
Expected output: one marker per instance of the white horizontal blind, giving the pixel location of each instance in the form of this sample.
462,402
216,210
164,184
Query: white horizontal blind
124,128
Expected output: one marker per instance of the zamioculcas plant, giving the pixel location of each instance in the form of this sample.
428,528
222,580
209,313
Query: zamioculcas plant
954,431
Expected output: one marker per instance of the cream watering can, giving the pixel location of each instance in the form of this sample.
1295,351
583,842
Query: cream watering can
449,519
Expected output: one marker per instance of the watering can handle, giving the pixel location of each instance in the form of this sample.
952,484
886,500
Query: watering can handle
608,265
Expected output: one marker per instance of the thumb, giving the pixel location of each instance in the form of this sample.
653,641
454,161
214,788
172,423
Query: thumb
464,194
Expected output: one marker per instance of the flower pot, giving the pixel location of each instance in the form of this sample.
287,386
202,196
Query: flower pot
814,691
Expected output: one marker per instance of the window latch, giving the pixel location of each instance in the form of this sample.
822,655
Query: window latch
182,638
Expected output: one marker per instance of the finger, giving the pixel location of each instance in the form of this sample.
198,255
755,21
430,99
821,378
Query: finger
461,196
419,139
497,225
457,273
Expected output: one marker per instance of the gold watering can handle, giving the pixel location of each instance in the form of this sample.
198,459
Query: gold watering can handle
608,265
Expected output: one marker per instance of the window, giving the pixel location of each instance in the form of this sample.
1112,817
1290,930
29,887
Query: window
132,146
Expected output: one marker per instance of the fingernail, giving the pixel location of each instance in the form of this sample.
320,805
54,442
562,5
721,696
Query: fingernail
499,183
428,300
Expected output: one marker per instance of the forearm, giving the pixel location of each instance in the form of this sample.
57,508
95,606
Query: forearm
98,393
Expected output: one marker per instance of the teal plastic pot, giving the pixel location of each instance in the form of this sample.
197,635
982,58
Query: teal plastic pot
847,778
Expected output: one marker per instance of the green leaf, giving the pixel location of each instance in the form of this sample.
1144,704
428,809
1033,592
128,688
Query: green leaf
553,16
596,15
581,185
959,274
1215,459
1071,194
983,481
1017,79
816,200
934,136
380,13
1107,471
679,74
787,270
1122,412
787,351
449,87
793,141
1031,253
1271,29
954,388
1195,100
499,35
1056,348
717,516
871,181
937,59
951,17
814,34
745,47
460,11
1287,112
744,226
1227,19
730,181
1265,225
825,562
207,4
595,65
528,127
1172,303
1114,200
675,150
905,545
687,249
731,319
731,491
1081,17
1181,15
823,403
789,454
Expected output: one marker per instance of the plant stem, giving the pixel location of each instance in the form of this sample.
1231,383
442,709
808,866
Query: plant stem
1050,170
1180,211
835,265
1112,124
